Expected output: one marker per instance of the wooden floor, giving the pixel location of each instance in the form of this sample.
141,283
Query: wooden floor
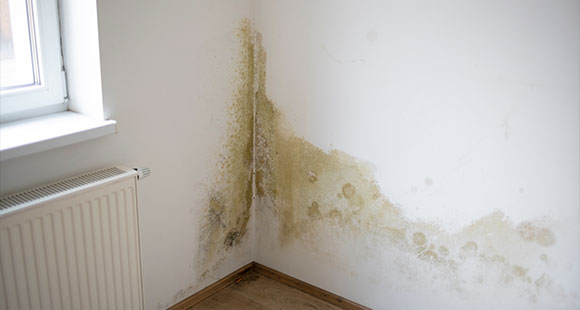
255,291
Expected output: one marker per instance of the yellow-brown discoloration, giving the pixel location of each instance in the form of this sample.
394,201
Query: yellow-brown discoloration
419,239
533,232
309,190
312,177
348,190
519,271
230,199
470,247
314,210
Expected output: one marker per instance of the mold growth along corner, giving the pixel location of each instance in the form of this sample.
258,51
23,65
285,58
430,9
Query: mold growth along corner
309,192
229,201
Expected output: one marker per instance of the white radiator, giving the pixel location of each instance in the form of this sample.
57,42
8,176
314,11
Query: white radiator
73,244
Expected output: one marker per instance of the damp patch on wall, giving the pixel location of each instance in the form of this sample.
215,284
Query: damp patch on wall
228,210
305,193
308,191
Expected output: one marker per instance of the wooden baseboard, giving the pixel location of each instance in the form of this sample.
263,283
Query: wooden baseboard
198,297
268,272
307,288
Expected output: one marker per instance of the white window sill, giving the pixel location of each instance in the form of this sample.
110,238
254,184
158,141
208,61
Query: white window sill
33,135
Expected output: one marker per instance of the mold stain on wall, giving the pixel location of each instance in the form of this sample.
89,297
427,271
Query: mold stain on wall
307,190
229,202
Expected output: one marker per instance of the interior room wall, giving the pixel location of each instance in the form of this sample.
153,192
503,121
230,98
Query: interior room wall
167,78
452,127
408,153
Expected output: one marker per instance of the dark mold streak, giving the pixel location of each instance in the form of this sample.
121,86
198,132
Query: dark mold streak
309,190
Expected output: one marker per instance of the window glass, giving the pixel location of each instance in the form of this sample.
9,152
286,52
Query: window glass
18,65
32,77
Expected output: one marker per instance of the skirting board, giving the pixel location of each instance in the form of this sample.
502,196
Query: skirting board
307,288
198,297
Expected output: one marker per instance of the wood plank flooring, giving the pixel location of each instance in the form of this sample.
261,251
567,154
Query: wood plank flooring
256,291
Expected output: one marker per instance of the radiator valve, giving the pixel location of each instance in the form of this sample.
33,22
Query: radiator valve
142,172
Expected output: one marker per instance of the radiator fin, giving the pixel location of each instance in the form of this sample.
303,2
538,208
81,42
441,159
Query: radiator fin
60,187
75,252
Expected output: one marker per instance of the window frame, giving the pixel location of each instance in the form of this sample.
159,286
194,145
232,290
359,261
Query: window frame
51,95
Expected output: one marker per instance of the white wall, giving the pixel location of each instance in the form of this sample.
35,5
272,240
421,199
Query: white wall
167,70
463,107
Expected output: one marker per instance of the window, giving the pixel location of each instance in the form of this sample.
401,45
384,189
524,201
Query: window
37,111
32,79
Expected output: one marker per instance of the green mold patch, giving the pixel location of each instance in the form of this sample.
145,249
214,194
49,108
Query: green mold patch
309,190
225,223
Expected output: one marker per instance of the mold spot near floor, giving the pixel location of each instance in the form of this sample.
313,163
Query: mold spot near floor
225,223
307,191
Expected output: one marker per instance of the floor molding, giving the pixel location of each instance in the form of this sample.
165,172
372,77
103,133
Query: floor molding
198,297
308,288
191,301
